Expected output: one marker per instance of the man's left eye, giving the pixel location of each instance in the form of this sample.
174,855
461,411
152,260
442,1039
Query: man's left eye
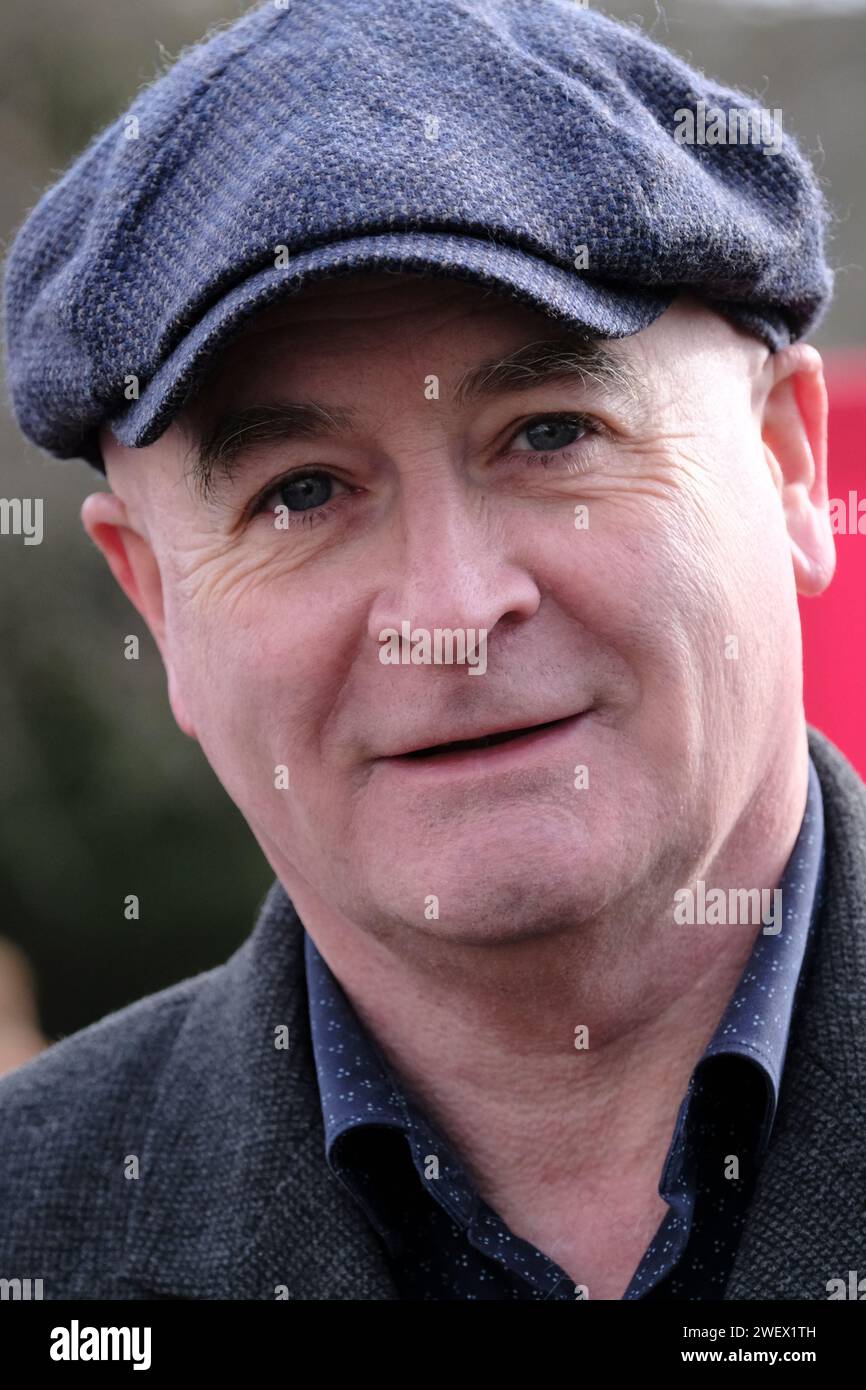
551,432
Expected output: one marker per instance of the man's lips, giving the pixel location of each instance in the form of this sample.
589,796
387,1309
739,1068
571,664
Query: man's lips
491,739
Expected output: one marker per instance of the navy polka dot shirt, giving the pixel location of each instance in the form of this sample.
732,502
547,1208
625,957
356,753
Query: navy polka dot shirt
444,1242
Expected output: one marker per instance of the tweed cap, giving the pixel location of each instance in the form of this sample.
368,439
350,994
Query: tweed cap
532,146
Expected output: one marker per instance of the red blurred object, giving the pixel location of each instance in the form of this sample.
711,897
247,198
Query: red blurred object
834,624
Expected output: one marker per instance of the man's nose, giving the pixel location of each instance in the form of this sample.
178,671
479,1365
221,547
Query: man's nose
451,563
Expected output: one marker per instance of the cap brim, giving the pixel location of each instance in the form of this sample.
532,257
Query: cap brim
560,293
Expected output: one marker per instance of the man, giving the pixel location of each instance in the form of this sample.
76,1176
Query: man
474,574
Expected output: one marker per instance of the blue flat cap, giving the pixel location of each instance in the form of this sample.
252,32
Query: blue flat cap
532,146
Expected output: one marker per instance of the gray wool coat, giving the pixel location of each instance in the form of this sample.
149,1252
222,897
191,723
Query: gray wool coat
233,1198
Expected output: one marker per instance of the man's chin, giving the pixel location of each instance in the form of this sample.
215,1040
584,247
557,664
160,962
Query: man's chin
484,909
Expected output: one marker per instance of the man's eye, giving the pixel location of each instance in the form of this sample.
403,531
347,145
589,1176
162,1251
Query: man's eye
549,433
300,493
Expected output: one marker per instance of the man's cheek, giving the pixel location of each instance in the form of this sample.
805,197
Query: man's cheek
220,668
667,564
683,611
234,577
244,730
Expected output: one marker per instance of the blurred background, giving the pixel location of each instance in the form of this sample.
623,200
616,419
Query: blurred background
100,794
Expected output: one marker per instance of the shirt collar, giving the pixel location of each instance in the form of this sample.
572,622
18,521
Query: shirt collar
359,1093
355,1085
757,1021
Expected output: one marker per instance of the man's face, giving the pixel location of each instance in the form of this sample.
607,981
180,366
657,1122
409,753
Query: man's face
631,569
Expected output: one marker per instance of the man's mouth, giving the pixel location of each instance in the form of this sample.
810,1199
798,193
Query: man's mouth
485,741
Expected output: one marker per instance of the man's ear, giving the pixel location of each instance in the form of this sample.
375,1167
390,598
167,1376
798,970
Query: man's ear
794,431
131,560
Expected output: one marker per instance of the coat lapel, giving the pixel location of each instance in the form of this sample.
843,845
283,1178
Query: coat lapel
807,1221
235,1199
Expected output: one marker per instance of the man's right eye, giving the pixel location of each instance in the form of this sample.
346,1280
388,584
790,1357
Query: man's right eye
306,492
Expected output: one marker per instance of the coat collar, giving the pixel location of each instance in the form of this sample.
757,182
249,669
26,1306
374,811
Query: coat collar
211,1219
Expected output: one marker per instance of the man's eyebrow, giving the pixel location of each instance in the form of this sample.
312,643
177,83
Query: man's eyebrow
216,454
567,358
